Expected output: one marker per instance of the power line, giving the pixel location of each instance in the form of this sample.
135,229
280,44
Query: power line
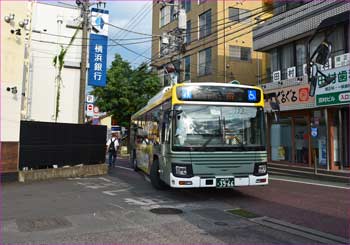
242,34
236,31
89,45
119,33
56,35
135,32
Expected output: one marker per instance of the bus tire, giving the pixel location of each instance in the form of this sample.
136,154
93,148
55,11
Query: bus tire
154,176
134,162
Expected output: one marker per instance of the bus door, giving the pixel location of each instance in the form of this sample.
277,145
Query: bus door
165,140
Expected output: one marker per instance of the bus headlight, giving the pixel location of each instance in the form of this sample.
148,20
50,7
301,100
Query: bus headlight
182,170
179,170
260,168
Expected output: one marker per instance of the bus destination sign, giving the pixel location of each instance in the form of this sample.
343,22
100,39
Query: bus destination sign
218,94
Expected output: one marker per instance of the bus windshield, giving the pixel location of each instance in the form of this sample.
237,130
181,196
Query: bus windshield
211,127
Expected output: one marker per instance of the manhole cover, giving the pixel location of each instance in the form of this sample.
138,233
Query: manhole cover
166,211
220,223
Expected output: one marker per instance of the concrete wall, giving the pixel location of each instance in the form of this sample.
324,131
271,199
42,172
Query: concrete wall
47,31
12,61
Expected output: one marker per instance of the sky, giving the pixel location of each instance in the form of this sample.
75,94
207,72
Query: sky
121,12
131,15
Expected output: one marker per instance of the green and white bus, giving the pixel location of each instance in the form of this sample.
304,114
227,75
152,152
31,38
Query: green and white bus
201,135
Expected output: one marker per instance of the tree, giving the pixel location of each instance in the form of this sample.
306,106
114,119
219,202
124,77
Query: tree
127,90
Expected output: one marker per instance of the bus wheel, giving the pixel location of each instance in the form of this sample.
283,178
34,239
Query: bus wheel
155,178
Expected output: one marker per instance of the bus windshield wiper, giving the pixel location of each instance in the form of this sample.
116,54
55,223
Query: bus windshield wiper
204,146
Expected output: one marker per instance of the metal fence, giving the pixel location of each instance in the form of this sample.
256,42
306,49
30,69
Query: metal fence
45,144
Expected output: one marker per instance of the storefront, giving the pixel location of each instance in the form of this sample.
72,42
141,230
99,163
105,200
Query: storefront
334,101
311,130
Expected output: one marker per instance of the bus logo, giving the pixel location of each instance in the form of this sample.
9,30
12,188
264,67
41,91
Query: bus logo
251,95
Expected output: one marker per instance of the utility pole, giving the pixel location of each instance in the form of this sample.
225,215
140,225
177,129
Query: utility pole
85,14
173,41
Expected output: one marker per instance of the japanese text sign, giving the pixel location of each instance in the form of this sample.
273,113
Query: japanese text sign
98,48
338,92
292,97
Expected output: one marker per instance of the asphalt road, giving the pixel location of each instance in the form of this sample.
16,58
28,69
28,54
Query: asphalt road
117,209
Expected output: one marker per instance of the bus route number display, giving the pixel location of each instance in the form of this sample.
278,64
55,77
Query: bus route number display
218,94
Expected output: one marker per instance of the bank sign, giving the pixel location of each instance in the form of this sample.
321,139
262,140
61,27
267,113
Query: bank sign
336,93
98,48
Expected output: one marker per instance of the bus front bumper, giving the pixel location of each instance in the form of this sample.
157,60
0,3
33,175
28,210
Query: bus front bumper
196,182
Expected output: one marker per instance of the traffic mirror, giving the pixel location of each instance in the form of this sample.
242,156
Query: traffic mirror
323,52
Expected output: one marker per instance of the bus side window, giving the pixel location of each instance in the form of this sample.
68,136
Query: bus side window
165,126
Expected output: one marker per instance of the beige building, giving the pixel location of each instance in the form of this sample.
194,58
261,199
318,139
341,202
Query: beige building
218,41
14,16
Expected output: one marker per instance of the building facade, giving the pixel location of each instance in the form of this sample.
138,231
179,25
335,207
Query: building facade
52,27
217,41
312,131
14,16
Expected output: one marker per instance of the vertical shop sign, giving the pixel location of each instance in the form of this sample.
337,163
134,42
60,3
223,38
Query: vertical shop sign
98,48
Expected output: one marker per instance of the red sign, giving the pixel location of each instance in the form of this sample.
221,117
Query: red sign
90,107
303,94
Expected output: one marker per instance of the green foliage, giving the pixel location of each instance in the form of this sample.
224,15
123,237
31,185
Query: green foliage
127,90
58,62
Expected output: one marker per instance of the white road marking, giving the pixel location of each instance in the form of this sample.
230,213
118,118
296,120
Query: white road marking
130,169
112,193
116,205
144,201
105,179
309,183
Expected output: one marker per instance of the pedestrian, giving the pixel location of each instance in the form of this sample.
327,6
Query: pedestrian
112,147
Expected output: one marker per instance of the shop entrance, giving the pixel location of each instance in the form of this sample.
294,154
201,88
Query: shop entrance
289,138
341,138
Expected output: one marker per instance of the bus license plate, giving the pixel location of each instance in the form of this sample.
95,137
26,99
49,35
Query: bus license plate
225,182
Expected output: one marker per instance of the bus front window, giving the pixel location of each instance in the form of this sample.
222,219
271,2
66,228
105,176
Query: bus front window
227,127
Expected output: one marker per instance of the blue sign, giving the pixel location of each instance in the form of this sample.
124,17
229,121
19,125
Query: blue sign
186,93
314,132
98,60
252,95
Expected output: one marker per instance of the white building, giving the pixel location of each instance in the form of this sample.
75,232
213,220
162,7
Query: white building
12,59
53,26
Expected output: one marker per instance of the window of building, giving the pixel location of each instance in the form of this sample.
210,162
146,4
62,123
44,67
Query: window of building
188,32
337,39
240,53
300,49
172,10
187,75
246,54
164,16
287,59
239,15
205,24
186,4
204,62
280,7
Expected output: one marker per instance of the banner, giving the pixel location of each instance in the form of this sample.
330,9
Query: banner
338,92
98,48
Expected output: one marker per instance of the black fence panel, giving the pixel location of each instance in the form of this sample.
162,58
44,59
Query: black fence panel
45,144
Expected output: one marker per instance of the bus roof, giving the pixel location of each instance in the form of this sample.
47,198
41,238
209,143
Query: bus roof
167,93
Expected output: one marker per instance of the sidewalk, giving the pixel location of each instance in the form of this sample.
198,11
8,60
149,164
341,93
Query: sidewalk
301,171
